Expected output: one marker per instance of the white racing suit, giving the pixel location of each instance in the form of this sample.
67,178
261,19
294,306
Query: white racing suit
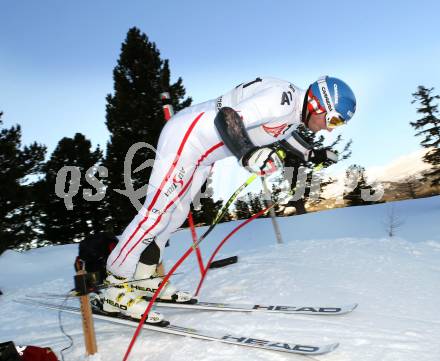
188,146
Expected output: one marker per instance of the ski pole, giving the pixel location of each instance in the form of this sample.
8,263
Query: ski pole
224,209
268,202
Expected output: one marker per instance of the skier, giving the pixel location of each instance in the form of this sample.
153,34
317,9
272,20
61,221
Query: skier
246,122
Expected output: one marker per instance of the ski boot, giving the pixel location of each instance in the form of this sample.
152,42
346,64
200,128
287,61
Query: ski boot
148,281
120,297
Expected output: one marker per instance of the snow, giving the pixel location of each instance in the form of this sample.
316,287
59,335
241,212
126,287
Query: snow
333,257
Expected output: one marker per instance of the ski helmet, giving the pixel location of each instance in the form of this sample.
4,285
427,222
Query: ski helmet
333,97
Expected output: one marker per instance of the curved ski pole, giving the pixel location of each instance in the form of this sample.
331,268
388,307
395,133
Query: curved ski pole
194,237
222,243
317,168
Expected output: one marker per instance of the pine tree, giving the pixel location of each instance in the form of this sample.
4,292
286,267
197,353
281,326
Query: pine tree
255,202
19,216
430,125
134,114
355,175
242,210
408,188
62,225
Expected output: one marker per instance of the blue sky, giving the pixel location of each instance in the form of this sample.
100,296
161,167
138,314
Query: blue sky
56,59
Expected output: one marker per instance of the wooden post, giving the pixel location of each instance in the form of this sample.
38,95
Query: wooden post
86,313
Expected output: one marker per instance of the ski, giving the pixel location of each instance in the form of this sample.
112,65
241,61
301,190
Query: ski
231,307
242,307
166,327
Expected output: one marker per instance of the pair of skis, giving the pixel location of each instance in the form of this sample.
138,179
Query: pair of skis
240,340
230,307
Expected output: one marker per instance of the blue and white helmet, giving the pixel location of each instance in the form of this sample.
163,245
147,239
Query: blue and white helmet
334,97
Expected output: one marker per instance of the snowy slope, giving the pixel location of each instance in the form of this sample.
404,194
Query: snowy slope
344,258
409,165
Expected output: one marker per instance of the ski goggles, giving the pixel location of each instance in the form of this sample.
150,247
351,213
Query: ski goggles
334,122
333,119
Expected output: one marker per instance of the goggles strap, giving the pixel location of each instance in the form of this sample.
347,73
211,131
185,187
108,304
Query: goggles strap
313,104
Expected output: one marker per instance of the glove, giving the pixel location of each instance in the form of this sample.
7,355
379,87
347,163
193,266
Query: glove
318,156
262,161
